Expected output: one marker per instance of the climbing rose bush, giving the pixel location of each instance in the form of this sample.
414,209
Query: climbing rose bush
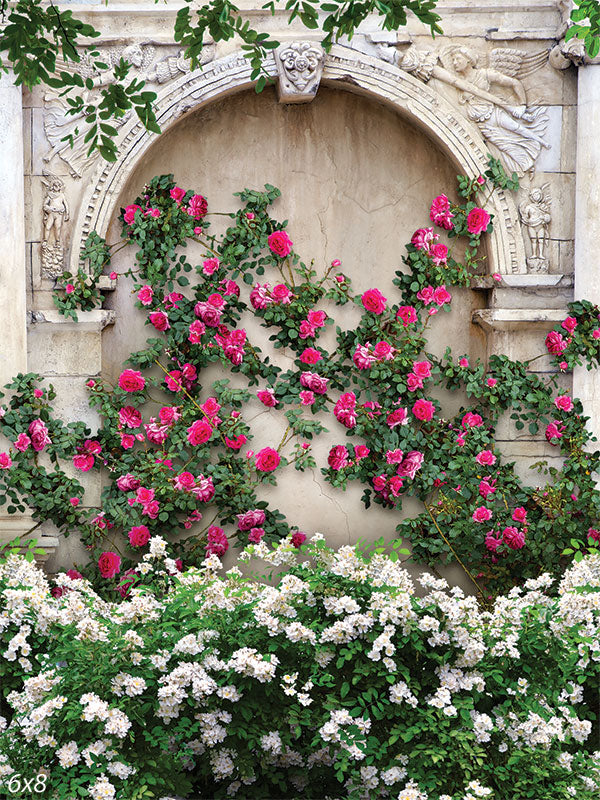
178,455
335,679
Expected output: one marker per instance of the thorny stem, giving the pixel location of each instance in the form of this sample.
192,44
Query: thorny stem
479,589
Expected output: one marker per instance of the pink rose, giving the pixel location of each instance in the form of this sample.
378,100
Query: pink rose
5,461
255,535
197,207
160,320
423,238
173,380
151,509
131,380
251,519
208,313
169,414
310,356
463,362
210,266
280,243
22,442
298,538
554,430
439,212
413,382
485,458
423,410
408,315
519,514
74,574
69,288
441,295
569,324
307,398
563,402
374,301
422,369
130,417
128,483
109,564
184,481
314,382
316,318
267,459
361,451
74,501
127,441
267,397
196,330
84,462
177,193
594,535
229,287
491,382
281,294
471,420
129,215
204,489
439,254
482,514
425,295
39,435
411,464
217,541
363,358
491,542
383,351
338,457
397,417
394,456
486,487
199,432
139,535
477,221
513,537
555,344
144,495
145,295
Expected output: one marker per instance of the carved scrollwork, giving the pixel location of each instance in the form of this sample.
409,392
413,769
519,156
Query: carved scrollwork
300,65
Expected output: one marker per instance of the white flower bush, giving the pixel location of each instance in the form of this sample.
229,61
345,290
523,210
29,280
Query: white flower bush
337,680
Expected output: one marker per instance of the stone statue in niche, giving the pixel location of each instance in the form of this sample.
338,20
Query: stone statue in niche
515,128
56,213
535,216
144,66
300,66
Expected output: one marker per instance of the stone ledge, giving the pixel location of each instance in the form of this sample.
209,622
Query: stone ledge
532,280
515,319
19,525
95,320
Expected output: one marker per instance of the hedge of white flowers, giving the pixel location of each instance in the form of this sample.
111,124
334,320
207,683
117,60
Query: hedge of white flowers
335,678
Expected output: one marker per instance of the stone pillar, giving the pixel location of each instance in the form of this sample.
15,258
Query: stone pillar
13,352
586,385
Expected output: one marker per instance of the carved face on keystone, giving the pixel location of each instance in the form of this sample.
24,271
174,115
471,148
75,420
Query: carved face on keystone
300,64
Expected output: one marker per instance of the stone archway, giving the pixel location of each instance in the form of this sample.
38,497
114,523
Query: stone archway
343,68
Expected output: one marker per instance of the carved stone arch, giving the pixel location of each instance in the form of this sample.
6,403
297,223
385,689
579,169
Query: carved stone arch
344,68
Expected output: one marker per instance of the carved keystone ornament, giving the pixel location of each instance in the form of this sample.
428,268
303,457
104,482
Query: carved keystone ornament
300,66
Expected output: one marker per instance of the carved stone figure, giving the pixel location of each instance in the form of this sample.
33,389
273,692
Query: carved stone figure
58,124
514,128
535,216
300,66
56,212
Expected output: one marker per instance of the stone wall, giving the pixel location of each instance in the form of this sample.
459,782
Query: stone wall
385,122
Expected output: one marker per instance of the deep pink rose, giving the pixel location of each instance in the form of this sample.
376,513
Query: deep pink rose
426,295
130,380
84,462
519,514
361,451
39,435
217,541
439,254
423,410
338,457
555,344
485,458
316,318
267,397
563,402
145,295
314,382
594,535
197,207
477,221
482,514
109,564
251,519
5,461
298,538
280,243
513,537
139,535
130,417
130,211
196,329
554,430
310,356
411,464
374,301
383,351
487,487
423,238
441,295
471,420
422,369
208,313
408,315
413,382
22,442
210,266
267,459
307,398
439,212
128,483
569,324
199,432
177,193
160,320
127,441
397,417
74,574
363,357
281,294
255,535
492,542
184,481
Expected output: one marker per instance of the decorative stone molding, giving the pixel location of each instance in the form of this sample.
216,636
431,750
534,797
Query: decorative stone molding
299,66
345,69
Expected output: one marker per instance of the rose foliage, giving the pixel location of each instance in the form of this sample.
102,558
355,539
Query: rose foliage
175,449
335,679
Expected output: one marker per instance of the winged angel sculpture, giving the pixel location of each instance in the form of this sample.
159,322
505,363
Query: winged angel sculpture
515,128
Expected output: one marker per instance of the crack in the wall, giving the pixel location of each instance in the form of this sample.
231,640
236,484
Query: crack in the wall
332,500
